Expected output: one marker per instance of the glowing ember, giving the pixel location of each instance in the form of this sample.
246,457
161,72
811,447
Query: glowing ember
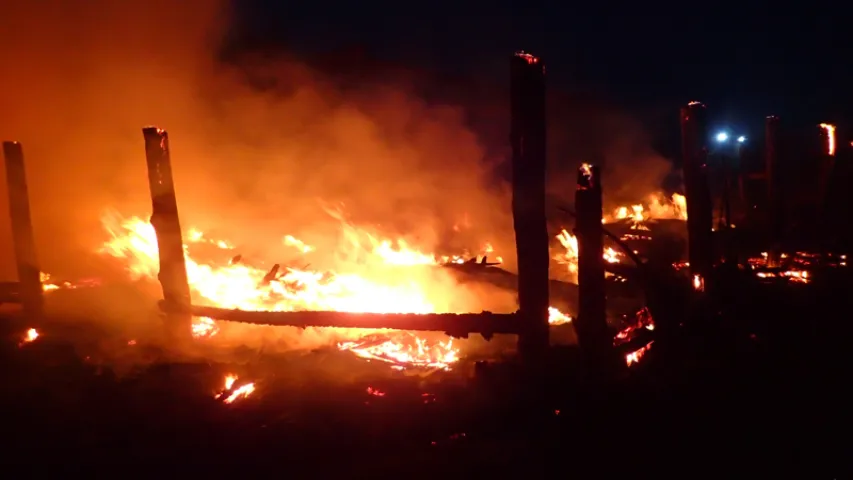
830,137
375,392
415,353
31,336
698,283
635,356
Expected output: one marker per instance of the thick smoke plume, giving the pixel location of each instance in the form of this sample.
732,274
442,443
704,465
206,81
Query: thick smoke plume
259,150
261,147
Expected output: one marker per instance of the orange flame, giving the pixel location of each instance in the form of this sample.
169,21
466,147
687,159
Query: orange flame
372,282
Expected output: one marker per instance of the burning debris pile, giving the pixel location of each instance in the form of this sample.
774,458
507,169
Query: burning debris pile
378,276
634,222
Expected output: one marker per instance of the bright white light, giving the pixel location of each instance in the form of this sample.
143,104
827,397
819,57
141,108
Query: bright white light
741,139
722,137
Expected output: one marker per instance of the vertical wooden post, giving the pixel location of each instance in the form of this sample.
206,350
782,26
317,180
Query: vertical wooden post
826,167
594,338
29,272
699,209
164,218
527,136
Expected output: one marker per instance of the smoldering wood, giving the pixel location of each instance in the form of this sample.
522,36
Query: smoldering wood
30,293
528,140
454,324
167,226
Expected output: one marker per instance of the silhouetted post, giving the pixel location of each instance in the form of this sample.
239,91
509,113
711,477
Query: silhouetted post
29,272
775,207
699,209
594,338
827,157
164,218
826,167
527,135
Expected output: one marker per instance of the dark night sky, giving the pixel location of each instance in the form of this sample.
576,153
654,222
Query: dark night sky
744,61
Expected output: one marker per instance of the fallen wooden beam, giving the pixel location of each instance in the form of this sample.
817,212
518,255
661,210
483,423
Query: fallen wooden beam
453,324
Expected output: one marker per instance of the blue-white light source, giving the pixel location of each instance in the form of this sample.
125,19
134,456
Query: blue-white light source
741,139
722,137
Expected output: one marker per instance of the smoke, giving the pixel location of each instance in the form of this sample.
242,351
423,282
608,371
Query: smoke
260,148
587,130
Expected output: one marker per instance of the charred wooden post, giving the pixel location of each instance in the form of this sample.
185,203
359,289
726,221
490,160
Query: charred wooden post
775,208
29,273
827,158
527,135
164,219
699,208
594,338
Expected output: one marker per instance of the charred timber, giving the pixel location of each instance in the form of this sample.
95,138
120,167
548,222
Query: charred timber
167,226
825,172
699,209
775,208
594,337
29,272
454,324
528,139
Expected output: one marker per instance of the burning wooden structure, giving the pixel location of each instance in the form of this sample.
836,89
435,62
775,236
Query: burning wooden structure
529,323
28,289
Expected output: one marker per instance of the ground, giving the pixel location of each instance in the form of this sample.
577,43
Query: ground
762,385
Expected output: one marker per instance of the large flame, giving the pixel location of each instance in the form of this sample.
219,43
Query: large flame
380,276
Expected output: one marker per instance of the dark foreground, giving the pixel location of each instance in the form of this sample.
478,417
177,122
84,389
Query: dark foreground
762,388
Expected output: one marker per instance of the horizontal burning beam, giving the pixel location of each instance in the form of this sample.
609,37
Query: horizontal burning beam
454,324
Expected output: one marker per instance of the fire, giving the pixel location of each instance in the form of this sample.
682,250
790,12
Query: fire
556,317
657,207
638,354
229,394
372,281
48,284
416,353
31,336
830,137
698,283
570,256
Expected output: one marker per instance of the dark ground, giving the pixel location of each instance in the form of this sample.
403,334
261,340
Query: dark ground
761,388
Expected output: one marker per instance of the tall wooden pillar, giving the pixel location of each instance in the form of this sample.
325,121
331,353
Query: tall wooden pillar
694,144
527,135
594,337
29,272
164,218
775,205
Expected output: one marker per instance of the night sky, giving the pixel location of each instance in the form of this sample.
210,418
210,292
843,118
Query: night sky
744,61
